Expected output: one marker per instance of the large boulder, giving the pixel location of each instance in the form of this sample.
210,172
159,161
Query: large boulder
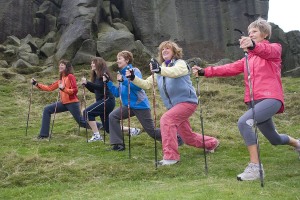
203,28
86,52
21,64
3,64
110,41
76,24
16,18
292,56
48,49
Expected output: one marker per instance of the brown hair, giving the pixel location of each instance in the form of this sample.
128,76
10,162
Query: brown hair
69,68
127,55
101,69
176,50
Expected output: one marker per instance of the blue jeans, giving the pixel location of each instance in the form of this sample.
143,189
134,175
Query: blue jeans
74,109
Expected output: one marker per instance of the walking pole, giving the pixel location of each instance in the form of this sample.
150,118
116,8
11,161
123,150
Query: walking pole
128,108
121,112
50,135
86,114
202,126
253,112
104,118
30,97
80,117
154,113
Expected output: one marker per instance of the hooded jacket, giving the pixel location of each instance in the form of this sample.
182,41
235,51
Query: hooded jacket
264,63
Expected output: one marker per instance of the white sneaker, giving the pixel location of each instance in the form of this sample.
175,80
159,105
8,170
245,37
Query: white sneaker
167,162
251,173
135,131
95,138
212,150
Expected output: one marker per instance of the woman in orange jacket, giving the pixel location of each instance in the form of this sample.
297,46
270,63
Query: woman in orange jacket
68,97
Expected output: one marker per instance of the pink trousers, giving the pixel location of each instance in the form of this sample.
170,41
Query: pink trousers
176,120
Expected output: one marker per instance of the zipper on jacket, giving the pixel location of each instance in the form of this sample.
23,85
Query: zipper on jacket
165,90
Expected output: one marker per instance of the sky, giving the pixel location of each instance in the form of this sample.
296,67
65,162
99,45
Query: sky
285,13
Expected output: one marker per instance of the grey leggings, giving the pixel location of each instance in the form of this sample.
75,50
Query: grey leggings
144,117
264,110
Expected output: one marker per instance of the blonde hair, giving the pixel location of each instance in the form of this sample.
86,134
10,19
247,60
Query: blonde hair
127,55
263,26
169,44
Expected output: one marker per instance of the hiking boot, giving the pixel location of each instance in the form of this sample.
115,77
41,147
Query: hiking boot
135,131
298,148
251,173
212,150
167,162
179,140
95,138
118,147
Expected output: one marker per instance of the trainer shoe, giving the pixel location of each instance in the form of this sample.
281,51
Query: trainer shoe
118,147
95,138
251,173
135,131
167,162
41,137
212,150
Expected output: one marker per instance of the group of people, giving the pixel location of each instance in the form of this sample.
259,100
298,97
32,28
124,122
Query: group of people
263,96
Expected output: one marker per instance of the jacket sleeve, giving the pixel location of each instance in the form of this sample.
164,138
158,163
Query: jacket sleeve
267,51
89,87
113,89
179,69
73,89
51,87
133,86
231,69
144,84
98,85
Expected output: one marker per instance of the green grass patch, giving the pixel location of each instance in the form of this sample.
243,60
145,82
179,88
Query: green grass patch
68,167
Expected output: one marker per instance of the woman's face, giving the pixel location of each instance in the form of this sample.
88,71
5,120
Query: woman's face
62,67
93,66
256,35
121,62
167,53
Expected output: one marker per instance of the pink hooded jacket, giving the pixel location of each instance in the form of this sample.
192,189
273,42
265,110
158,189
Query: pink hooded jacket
265,71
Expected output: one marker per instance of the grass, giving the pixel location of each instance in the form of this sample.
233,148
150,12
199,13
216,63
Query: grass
69,168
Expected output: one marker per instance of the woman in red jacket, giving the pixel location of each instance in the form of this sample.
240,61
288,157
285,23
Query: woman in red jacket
68,97
264,62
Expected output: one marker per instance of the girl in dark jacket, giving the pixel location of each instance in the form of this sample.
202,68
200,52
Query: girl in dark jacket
96,85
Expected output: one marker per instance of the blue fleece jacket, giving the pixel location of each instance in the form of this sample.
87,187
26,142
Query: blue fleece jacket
138,97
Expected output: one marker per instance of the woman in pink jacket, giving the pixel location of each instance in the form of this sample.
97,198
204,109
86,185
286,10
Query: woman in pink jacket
264,61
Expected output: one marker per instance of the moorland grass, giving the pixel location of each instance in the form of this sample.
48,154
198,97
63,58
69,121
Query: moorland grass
68,167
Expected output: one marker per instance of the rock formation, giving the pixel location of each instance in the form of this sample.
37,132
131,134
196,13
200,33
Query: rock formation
41,32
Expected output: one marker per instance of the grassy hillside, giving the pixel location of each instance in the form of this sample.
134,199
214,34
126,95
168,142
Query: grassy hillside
69,168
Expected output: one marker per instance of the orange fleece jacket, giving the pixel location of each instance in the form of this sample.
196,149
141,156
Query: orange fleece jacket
68,94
